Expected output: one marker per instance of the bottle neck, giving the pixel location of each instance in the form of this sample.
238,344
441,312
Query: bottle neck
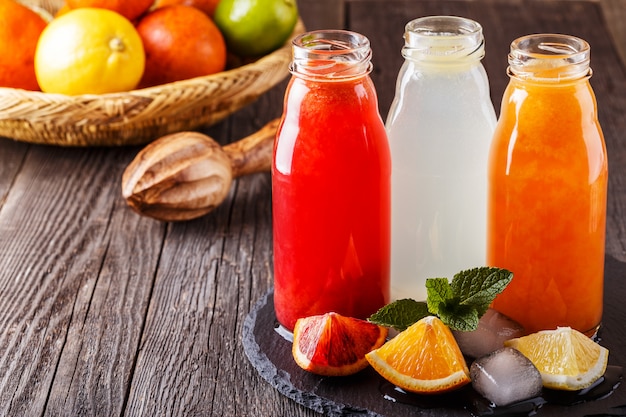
549,59
331,55
443,40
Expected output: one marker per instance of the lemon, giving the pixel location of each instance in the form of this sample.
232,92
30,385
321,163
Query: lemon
89,51
566,358
255,27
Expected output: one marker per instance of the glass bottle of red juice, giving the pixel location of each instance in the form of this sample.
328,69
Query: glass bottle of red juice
331,174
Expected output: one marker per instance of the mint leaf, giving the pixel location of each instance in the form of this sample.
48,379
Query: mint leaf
459,304
459,317
438,292
478,287
400,314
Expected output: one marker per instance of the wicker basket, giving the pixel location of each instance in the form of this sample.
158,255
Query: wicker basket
138,116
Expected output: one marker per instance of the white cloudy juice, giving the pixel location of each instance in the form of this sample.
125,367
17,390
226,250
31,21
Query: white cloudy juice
440,127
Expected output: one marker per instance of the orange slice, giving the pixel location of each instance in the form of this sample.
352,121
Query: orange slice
335,345
566,358
423,359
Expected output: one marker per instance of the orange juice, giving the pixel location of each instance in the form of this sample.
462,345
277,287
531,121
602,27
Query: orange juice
548,184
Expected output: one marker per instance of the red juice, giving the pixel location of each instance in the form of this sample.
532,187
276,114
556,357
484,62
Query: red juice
331,199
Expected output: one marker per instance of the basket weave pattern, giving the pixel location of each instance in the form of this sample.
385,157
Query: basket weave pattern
137,116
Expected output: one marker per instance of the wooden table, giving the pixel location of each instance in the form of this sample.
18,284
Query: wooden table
104,312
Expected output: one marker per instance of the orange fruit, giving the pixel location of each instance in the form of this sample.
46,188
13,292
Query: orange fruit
334,345
130,9
566,358
207,6
181,42
89,51
62,10
424,359
19,32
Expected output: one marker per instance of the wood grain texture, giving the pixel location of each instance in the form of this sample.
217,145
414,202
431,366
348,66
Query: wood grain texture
58,232
323,14
614,12
106,313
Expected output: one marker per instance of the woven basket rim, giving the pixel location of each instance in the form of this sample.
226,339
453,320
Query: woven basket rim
264,60
141,115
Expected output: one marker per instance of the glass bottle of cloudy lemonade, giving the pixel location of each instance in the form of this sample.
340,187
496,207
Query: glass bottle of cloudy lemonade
548,187
440,126
330,184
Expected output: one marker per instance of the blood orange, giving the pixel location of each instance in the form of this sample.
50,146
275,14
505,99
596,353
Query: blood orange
335,345
181,42
130,9
207,6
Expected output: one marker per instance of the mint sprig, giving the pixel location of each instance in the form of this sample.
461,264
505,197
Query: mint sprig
400,314
459,304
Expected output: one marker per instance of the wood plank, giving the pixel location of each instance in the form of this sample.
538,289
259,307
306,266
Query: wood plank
322,14
191,361
57,225
11,160
98,357
614,12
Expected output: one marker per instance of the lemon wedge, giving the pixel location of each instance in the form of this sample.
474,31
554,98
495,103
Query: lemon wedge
566,358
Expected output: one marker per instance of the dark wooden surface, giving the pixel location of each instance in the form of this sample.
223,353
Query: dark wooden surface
104,312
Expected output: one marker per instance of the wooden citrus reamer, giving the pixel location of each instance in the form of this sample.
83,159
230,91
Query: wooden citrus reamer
186,175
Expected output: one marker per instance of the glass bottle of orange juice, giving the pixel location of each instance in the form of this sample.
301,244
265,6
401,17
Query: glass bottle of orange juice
548,187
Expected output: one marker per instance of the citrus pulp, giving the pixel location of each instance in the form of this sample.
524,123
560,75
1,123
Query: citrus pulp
566,358
334,345
424,359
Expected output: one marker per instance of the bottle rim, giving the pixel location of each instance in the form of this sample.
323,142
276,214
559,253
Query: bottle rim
549,57
331,54
443,38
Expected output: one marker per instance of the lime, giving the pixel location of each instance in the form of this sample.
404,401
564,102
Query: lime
255,27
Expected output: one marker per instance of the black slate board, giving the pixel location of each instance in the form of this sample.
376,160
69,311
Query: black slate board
367,394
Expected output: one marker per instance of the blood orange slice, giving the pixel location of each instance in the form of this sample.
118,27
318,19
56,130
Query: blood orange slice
335,345
424,359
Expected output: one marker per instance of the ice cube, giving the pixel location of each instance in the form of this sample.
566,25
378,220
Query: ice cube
493,329
505,376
